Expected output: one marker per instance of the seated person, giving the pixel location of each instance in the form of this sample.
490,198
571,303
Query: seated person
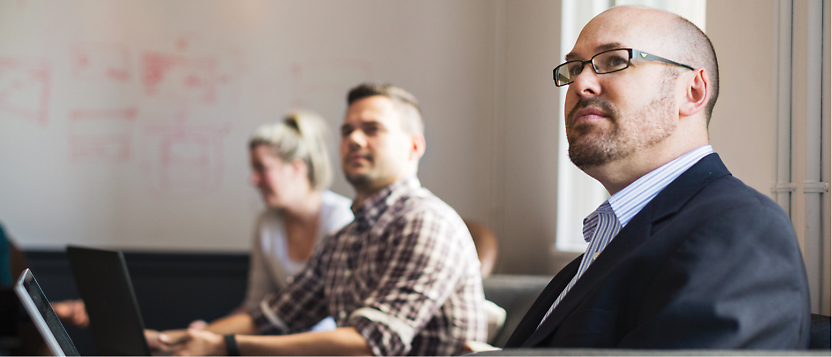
682,255
291,169
12,264
486,243
402,279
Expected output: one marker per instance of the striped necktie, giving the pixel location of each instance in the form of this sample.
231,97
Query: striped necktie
599,229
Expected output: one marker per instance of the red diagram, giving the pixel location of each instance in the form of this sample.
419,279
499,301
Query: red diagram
101,134
326,80
101,61
24,89
183,160
181,78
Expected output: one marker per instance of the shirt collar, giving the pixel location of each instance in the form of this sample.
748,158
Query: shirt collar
368,214
630,200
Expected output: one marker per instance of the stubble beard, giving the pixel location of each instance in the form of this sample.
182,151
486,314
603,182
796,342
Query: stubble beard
591,145
357,180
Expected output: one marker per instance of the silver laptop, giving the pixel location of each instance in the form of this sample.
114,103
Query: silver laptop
44,318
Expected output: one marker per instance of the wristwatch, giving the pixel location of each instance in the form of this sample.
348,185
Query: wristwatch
231,345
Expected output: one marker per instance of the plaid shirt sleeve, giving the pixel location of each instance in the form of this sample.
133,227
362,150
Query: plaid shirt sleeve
298,306
421,262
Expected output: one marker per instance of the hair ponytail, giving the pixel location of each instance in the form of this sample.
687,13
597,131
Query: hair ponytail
299,136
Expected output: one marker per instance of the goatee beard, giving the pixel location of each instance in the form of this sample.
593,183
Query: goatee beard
594,144
588,149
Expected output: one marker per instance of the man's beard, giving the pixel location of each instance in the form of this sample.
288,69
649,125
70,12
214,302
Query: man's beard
592,146
361,179
358,180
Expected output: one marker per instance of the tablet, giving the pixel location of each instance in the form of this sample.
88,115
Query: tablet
44,318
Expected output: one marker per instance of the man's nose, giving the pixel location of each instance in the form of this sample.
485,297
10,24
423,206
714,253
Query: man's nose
356,139
586,83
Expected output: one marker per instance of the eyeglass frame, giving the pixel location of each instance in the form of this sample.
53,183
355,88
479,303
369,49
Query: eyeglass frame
643,55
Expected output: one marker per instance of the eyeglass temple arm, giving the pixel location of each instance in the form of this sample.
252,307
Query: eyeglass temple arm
649,57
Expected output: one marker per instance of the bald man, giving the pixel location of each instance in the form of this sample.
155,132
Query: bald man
682,255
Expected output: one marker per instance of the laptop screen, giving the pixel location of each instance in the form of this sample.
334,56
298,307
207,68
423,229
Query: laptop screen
45,319
104,283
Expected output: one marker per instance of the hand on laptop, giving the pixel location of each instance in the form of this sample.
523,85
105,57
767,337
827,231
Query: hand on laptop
72,312
202,343
165,342
198,325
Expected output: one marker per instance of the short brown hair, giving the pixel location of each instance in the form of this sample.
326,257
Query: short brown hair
695,48
408,104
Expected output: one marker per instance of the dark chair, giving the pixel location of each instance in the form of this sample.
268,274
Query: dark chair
820,332
515,294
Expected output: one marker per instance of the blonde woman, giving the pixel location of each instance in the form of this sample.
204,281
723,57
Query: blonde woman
291,169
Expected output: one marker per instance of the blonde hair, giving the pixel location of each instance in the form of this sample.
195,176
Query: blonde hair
299,136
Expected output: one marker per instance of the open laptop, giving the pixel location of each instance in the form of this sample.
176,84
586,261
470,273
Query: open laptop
44,318
104,284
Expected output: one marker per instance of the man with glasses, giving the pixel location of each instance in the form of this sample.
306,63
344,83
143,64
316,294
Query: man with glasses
682,255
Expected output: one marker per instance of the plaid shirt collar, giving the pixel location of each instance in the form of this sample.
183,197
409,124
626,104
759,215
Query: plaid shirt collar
368,214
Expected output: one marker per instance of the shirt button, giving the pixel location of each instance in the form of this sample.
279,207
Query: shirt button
342,315
290,279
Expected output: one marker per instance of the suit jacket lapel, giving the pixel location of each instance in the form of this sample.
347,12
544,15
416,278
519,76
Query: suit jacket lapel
638,230
542,304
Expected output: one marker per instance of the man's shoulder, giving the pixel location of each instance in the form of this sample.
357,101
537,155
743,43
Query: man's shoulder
422,201
729,192
708,185
719,211
729,215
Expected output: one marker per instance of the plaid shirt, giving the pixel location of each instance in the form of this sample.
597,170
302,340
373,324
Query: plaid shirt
404,274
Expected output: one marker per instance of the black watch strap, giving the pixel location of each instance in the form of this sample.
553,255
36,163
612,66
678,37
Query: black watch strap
231,345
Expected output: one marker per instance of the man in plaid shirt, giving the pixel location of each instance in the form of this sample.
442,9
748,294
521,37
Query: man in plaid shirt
402,279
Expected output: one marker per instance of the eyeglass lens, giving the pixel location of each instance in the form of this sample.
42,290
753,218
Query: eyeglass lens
604,62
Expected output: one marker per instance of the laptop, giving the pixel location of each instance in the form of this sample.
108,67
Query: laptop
104,284
44,318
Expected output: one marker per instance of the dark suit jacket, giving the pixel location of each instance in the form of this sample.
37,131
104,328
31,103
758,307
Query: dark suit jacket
708,263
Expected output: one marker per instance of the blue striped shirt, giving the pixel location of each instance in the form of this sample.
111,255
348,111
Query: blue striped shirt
601,226
629,201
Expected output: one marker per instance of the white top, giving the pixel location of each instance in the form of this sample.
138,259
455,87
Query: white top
270,266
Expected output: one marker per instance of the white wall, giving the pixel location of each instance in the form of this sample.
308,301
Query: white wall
482,70
531,125
743,125
96,150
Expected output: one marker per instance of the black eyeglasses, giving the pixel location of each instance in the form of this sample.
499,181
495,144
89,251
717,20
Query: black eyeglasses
605,62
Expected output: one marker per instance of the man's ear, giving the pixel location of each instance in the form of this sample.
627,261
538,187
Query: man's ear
697,93
417,146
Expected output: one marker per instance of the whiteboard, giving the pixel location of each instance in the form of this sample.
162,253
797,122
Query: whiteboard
125,123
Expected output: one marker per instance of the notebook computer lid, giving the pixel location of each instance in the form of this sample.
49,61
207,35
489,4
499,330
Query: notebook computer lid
42,315
104,283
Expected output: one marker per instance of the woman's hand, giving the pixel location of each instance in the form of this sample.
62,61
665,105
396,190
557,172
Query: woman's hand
72,312
203,343
165,342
